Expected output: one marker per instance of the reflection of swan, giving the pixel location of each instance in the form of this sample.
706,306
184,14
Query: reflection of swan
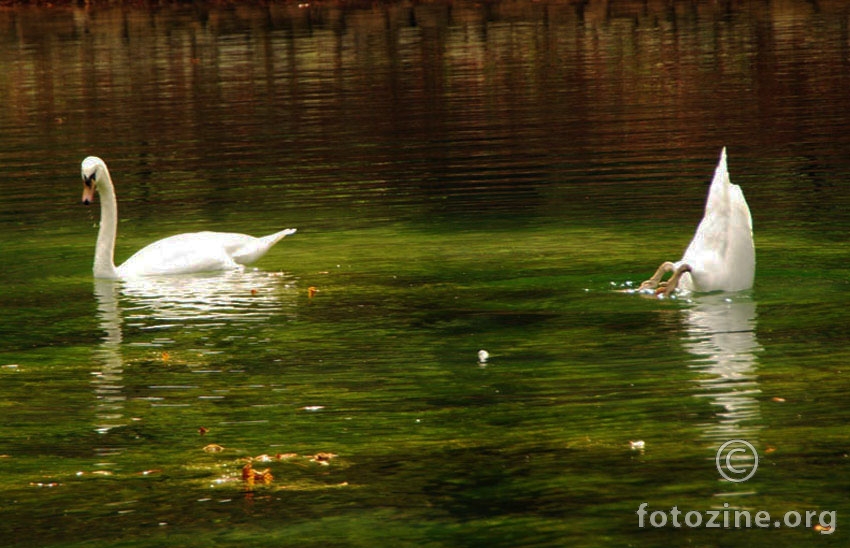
180,254
721,256
203,299
218,305
107,380
721,336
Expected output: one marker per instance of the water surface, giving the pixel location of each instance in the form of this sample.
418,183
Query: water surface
463,177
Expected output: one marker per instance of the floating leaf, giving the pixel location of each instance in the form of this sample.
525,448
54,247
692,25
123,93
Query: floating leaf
322,458
251,476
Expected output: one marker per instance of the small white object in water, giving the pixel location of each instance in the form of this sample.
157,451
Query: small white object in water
638,445
483,355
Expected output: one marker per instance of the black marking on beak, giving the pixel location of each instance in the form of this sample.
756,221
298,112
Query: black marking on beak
89,182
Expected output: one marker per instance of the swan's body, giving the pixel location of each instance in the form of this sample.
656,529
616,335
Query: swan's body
721,256
180,254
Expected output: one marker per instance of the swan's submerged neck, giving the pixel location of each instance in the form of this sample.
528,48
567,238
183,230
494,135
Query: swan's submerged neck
104,262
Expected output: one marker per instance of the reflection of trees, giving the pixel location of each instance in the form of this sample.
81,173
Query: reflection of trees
367,94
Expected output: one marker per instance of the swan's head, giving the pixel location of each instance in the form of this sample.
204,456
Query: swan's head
93,169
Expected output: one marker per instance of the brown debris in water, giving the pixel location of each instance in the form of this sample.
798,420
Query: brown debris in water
251,476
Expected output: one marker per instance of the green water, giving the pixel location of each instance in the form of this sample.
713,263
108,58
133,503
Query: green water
462,179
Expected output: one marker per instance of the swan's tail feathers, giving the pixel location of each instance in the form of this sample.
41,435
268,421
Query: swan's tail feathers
722,170
278,236
257,247
266,242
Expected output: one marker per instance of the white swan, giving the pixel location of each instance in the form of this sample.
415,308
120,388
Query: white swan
180,254
721,256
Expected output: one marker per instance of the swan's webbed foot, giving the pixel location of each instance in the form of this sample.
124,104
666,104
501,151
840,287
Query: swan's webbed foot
655,280
670,286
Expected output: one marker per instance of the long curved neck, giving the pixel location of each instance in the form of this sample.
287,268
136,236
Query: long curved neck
104,262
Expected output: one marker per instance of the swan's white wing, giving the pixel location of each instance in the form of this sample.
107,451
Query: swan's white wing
741,250
182,254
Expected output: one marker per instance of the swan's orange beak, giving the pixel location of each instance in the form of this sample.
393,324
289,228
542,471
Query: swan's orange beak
88,193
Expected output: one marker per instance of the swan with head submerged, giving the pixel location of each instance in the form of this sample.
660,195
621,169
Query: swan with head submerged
180,254
721,256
